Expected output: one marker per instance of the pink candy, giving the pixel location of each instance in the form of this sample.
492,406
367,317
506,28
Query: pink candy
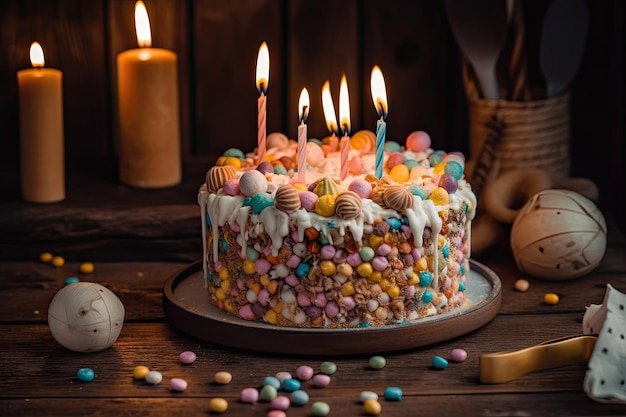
321,380
304,372
263,266
249,395
332,309
187,357
361,187
308,199
281,402
178,384
418,141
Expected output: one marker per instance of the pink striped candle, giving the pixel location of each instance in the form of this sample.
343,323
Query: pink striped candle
345,152
262,81
303,113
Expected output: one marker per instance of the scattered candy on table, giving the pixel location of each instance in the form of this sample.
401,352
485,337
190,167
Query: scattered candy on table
367,395
273,381
458,355
283,375
377,362
71,280
276,413
140,372
249,395
551,298
58,261
280,402
321,380
299,397
522,285
439,363
218,405
178,384
304,372
328,368
85,374
393,393
187,357
87,268
291,385
154,377
320,409
268,393
46,257
372,407
223,377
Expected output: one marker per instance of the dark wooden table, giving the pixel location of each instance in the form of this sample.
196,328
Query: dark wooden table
139,238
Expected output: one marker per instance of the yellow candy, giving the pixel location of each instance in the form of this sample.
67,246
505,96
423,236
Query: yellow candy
393,291
375,241
229,160
440,241
365,269
218,405
328,268
421,265
440,168
270,317
45,257
372,407
140,372
249,267
325,205
223,377
220,294
225,286
224,274
391,238
376,276
345,269
414,279
272,286
359,141
385,284
400,173
58,261
522,285
439,196
300,187
87,268
551,298
347,289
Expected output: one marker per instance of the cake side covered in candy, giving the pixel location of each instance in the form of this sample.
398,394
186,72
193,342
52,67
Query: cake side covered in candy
330,252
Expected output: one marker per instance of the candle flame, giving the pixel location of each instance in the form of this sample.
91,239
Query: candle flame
303,106
379,92
344,106
329,108
36,55
142,26
263,68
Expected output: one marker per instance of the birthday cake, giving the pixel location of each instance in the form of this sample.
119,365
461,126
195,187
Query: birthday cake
331,247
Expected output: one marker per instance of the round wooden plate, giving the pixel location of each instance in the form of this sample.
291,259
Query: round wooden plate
187,308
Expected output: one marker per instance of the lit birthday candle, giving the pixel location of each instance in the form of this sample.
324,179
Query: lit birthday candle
344,121
329,114
262,81
379,95
303,113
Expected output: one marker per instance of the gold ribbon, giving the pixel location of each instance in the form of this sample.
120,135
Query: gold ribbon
501,367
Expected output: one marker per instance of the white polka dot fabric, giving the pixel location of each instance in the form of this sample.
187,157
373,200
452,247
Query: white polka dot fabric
605,380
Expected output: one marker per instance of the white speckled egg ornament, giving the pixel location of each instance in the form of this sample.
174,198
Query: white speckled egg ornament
85,317
558,235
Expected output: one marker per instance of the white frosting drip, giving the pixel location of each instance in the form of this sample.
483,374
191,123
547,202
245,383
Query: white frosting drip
222,209
276,225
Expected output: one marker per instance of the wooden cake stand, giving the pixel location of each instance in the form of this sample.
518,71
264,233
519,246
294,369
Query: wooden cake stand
187,308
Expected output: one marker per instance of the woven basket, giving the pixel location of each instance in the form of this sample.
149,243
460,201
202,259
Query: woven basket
509,135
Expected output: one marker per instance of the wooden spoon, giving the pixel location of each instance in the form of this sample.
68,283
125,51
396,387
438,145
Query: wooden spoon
563,43
479,27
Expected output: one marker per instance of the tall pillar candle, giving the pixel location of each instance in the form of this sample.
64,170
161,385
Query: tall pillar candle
42,166
149,129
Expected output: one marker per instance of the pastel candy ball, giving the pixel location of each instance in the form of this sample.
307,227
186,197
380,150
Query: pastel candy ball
85,317
308,199
187,357
178,384
454,168
325,205
85,374
356,166
448,183
395,158
252,182
439,196
320,409
400,173
223,377
392,394
299,397
218,405
154,377
377,362
361,187
280,402
392,146
418,141
249,395
439,363
314,154
277,140
267,393
260,202
372,407
321,380
328,368
231,186
304,373
140,372
235,152
458,355
265,168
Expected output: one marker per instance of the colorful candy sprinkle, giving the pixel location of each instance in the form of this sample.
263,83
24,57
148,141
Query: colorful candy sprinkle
85,374
87,268
223,377
218,405
321,380
249,395
377,362
320,409
268,393
551,298
458,355
328,368
140,372
304,372
299,397
291,385
276,413
522,285
372,407
368,395
439,363
280,402
71,280
178,384
187,357
154,377
58,261
392,394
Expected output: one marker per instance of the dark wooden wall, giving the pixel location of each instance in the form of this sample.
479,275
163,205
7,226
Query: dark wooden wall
310,41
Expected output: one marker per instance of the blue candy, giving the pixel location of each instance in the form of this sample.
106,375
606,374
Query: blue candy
425,278
394,223
272,380
71,280
299,397
85,374
261,201
393,394
237,153
439,362
291,385
427,296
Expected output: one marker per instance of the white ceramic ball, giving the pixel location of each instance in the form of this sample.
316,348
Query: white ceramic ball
558,235
85,317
